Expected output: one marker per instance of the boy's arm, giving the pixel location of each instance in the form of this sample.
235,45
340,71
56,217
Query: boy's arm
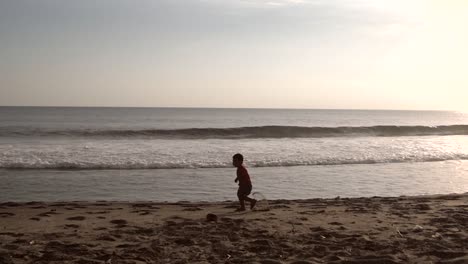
237,178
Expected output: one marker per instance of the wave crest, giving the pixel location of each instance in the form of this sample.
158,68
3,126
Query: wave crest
77,165
250,132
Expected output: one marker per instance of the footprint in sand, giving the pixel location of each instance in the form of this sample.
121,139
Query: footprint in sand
10,204
422,207
10,247
102,204
147,205
11,234
6,214
125,246
76,218
46,214
105,238
19,241
141,212
99,212
38,207
192,209
119,222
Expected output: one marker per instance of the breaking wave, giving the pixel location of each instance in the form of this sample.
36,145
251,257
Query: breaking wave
140,165
249,132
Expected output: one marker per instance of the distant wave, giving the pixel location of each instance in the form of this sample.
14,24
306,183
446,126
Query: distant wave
249,132
76,165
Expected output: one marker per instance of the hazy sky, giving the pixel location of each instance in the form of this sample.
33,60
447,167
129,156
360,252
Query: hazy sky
366,54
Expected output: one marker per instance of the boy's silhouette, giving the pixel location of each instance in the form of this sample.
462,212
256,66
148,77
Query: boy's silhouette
245,185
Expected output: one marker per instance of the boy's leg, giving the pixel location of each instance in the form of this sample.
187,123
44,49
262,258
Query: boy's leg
243,193
241,197
251,201
242,204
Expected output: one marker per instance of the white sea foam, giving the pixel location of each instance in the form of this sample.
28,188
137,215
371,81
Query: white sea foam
167,154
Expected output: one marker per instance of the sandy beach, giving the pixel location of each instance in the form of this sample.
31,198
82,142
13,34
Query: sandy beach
430,229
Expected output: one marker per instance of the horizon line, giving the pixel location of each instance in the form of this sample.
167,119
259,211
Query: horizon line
234,108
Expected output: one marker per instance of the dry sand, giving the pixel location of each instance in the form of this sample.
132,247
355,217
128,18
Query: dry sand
361,230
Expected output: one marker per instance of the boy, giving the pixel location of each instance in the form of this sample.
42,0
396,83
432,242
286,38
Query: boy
245,186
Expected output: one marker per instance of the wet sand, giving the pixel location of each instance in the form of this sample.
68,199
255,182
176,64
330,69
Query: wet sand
432,229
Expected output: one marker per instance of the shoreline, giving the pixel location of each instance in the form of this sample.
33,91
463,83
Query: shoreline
405,229
14,203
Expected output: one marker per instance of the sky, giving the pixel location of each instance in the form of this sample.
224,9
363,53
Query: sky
354,54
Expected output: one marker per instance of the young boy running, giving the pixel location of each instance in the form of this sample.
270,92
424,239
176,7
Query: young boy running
245,185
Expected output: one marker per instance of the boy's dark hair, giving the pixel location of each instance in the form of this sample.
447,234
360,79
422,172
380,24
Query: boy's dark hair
238,156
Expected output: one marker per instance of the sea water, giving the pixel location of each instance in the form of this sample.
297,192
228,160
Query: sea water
173,154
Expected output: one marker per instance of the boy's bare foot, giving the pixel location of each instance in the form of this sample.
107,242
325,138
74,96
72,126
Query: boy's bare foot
240,209
252,204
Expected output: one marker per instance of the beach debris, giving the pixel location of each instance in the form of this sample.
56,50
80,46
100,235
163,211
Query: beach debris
417,228
211,217
32,242
348,249
398,231
437,235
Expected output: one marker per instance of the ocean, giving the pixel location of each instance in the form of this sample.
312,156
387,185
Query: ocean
174,154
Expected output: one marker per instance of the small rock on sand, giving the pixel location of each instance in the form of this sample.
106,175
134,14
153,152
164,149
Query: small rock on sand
211,218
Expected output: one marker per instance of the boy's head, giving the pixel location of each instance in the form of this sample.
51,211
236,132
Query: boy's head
237,160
